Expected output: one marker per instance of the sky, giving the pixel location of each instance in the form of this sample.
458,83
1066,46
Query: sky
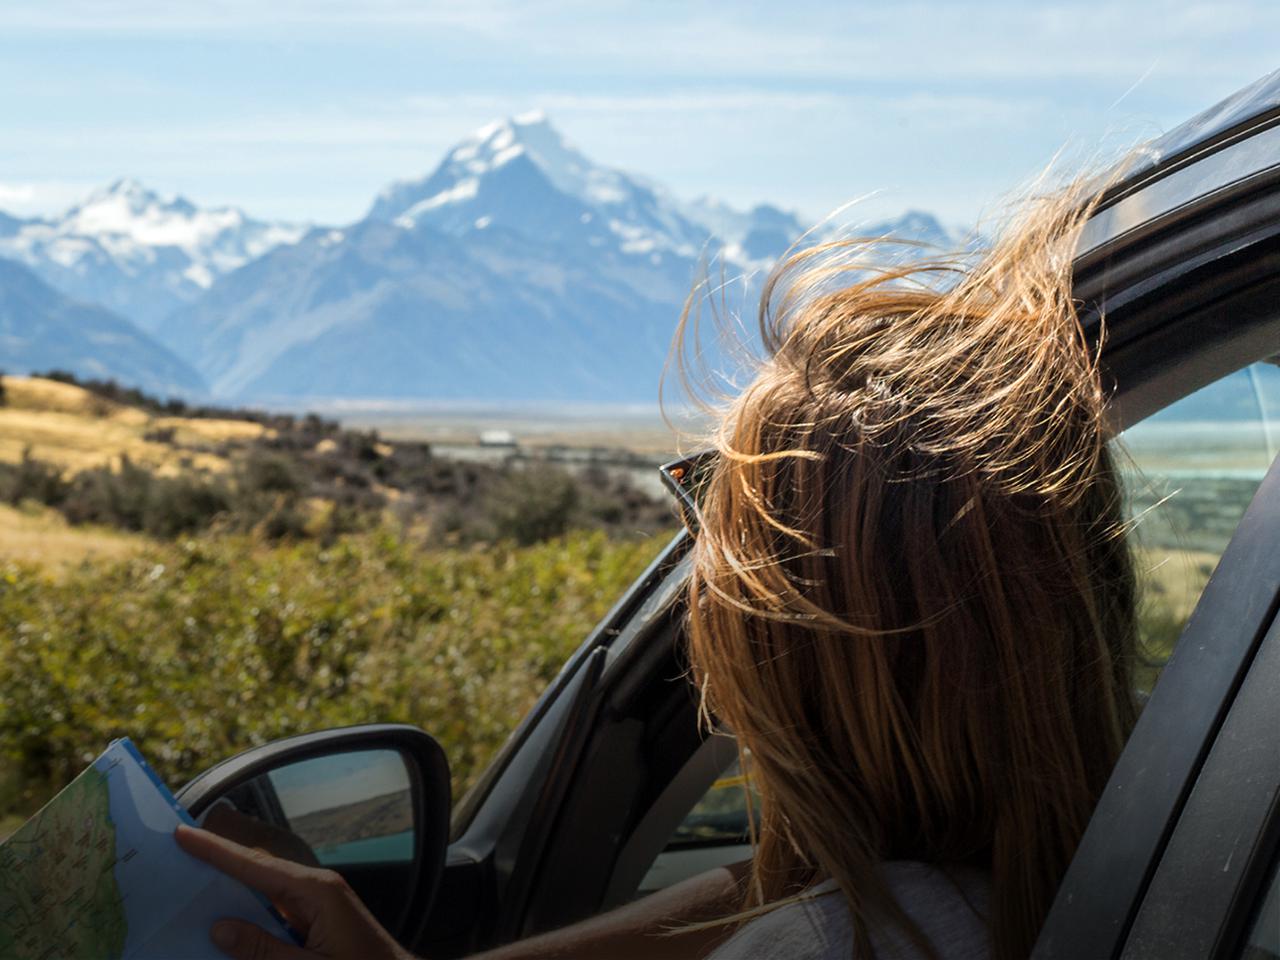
336,780
304,109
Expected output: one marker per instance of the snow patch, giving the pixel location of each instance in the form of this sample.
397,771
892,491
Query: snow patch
460,191
127,234
507,155
200,275
503,139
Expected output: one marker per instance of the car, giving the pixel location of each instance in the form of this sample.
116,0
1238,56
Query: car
610,788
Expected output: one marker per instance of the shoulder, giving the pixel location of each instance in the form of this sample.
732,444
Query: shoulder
949,906
816,927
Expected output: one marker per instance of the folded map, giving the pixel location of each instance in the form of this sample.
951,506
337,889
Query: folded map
97,874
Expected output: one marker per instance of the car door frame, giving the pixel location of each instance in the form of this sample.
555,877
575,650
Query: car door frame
1187,299
1221,855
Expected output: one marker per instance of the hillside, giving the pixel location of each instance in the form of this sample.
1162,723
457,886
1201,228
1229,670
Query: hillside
102,456
42,329
76,429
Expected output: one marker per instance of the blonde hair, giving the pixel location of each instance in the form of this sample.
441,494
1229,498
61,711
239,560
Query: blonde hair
912,599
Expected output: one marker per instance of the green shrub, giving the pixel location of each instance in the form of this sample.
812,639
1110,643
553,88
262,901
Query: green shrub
264,471
532,504
183,504
31,479
200,649
134,498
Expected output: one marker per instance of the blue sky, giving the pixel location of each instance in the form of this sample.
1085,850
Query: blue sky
304,109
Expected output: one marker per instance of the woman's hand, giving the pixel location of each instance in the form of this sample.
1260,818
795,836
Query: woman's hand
318,903
226,821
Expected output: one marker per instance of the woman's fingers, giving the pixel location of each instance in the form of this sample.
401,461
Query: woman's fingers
244,941
227,821
334,921
288,884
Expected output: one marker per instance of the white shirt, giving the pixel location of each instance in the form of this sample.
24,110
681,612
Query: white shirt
948,908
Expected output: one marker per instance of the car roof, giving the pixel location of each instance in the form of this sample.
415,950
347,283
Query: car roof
1215,153
1245,108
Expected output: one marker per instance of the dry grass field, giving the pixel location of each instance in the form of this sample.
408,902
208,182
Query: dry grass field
1174,579
41,536
67,425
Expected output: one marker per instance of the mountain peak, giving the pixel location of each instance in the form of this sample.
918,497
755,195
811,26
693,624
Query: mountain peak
127,186
139,252
502,134
126,198
531,135
132,193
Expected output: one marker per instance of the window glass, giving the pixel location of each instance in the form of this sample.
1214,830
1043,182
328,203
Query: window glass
721,816
1190,472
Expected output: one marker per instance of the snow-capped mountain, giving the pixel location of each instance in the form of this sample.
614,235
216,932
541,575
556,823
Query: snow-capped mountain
517,269
472,190
139,253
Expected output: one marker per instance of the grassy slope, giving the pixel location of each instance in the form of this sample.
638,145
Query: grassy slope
69,426
40,536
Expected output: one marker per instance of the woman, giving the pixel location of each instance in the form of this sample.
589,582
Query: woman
913,603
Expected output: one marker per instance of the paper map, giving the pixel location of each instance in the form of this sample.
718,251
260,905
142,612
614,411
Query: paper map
97,874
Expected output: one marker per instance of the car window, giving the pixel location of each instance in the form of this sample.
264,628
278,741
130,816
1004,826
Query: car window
1190,472
721,816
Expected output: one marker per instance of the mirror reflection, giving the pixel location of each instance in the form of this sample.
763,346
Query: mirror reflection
349,807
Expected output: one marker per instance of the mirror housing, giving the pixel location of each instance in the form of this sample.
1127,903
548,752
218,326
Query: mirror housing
427,774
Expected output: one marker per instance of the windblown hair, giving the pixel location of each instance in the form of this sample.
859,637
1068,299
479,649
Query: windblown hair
912,598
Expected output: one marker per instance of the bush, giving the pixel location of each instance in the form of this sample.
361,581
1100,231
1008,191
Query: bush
183,504
134,498
31,479
533,504
200,649
265,472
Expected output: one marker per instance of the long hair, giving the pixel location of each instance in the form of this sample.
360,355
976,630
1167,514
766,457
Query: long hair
912,598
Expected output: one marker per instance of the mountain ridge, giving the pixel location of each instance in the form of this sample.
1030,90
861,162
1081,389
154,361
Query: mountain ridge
516,268
137,252
42,329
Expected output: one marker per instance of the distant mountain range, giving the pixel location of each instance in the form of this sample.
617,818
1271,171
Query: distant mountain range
42,329
518,270
138,253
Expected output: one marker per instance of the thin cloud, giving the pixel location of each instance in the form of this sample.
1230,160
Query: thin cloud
425,119
914,41
39,197
165,16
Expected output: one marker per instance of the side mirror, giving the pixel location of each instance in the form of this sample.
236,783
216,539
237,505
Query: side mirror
371,802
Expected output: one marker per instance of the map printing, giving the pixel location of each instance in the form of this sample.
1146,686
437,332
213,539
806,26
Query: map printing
97,875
